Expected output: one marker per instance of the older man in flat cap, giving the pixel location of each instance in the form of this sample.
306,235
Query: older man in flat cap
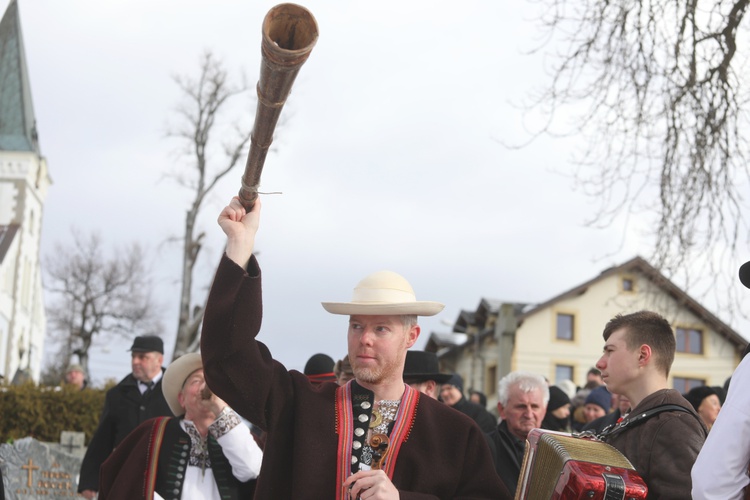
373,438
137,398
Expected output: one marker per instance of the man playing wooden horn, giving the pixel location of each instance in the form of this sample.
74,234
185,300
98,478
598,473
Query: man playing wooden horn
206,453
319,437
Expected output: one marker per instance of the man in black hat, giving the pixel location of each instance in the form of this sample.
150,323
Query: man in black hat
422,372
319,369
557,417
138,397
720,471
452,394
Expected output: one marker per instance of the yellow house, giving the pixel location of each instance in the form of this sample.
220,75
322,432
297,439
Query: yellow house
562,337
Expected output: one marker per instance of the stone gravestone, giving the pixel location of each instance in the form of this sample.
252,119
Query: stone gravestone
35,470
73,442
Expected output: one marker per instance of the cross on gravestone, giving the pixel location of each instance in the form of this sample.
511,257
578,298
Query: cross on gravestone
72,442
30,468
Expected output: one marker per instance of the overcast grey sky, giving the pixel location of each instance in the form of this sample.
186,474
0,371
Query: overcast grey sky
392,157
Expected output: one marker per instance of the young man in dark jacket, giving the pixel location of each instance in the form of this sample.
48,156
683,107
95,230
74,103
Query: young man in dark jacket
639,350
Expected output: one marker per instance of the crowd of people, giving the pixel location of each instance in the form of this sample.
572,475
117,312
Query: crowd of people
383,422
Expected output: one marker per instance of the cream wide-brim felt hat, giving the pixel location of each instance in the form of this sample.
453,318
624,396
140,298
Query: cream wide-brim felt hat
174,378
384,293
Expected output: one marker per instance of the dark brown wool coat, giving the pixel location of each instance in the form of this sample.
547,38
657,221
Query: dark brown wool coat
445,455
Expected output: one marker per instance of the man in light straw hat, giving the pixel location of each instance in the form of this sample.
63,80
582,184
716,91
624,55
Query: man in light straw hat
205,453
373,438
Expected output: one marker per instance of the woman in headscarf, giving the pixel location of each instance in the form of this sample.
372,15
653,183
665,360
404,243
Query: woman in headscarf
706,402
557,417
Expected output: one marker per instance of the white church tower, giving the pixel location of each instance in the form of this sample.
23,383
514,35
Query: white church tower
24,181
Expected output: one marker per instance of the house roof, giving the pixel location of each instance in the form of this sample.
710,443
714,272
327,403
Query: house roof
638,264
7,233
17,122
441,342
448,339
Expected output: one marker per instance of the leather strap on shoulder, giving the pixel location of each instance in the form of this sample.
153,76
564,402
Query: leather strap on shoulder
635,420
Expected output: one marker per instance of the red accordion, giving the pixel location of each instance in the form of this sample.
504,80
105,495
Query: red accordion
559,466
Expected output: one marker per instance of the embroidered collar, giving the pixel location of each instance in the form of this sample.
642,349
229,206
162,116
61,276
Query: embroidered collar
198,447
353,399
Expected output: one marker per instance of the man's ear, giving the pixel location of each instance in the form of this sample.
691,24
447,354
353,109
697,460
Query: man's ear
412,336
500,410
644,355
431,386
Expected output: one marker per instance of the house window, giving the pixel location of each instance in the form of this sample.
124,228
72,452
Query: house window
689,340
564,326
491,380
684,384
563,372
628,285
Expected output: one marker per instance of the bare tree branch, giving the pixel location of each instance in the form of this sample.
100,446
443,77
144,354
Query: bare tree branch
205,98
91,296
656,90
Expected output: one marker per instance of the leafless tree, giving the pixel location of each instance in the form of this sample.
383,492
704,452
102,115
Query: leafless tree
91,296
656,91
204,101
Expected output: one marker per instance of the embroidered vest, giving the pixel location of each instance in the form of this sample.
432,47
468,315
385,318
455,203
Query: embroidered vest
173,457
347,429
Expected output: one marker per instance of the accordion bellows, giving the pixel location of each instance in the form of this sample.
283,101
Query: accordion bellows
559,466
